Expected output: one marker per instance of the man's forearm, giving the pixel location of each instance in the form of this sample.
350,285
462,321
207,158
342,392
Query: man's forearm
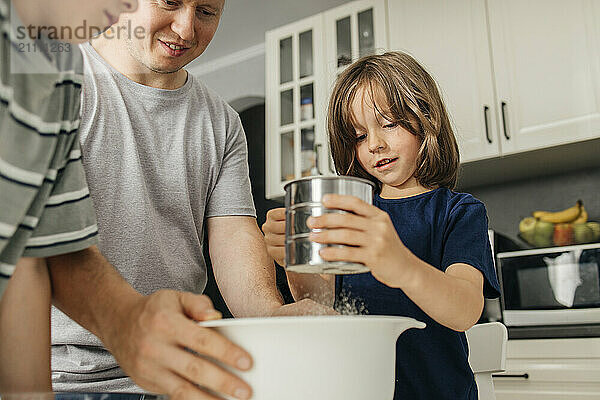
243,269
254,293
89,289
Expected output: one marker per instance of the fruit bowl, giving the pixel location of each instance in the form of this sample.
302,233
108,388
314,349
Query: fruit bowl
564,234
560,228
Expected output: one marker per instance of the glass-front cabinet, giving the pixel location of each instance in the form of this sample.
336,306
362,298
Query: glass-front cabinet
294,82
352,31
303,60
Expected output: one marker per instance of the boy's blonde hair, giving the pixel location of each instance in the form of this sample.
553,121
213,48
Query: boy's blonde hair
413,101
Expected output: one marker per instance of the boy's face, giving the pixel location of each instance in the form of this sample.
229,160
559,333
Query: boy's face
384,149
175,32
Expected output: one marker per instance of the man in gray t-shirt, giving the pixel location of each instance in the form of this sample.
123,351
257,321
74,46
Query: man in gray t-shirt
158,164
165,160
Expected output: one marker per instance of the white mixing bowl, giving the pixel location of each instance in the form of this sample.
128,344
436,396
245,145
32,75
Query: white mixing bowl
319,357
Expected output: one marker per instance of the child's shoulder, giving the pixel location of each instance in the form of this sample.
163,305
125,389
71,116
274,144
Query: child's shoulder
445,196
461,197
452,200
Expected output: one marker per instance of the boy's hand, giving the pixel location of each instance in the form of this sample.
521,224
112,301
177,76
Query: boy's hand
367,232
274,231
304,307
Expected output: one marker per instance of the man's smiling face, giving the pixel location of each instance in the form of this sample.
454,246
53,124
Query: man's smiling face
176,31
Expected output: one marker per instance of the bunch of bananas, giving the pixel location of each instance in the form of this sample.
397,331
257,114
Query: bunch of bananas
574,215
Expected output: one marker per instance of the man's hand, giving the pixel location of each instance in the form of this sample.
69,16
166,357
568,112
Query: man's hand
148,335
274,230
304,307
150,344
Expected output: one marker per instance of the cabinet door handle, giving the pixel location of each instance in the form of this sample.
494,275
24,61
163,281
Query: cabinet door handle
523,376
318,157
503,108
485,118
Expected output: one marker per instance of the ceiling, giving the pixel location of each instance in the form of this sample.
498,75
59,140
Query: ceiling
244,22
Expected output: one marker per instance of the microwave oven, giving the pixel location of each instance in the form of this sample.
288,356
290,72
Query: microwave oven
550,286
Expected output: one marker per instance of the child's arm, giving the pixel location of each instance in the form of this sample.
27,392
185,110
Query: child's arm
320,288
453,298
25,329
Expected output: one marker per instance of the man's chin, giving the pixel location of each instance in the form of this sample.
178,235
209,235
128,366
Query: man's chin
166,68
160,70
172,64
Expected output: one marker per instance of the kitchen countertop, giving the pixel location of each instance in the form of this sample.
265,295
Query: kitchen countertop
554,332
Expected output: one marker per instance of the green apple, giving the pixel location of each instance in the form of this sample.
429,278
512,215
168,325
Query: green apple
527,229
595,227
583,233
543,234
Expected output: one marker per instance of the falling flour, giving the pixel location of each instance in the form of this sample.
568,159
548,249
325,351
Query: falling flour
347,305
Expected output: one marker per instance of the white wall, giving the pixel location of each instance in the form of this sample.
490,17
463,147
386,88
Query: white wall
234,63
244,22
233,78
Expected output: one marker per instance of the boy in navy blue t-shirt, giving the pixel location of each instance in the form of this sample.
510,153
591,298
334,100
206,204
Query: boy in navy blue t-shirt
456,227
426,246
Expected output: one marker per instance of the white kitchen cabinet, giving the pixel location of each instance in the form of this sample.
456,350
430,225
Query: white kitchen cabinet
450,39
547,69
516,75
295,88
550,369
352,31
302,62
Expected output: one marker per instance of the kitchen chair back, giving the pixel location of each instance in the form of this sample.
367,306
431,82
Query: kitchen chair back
487,354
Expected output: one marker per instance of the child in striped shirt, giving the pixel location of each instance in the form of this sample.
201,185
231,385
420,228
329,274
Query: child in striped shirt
45,209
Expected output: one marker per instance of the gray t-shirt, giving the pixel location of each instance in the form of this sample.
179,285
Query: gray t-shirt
158,163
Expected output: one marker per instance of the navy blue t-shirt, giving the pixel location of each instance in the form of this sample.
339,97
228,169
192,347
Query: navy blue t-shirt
442,228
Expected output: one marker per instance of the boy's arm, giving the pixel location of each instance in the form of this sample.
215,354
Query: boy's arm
25,329
320,288
453,298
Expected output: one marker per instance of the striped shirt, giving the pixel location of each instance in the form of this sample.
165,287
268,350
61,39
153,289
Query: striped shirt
45,206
